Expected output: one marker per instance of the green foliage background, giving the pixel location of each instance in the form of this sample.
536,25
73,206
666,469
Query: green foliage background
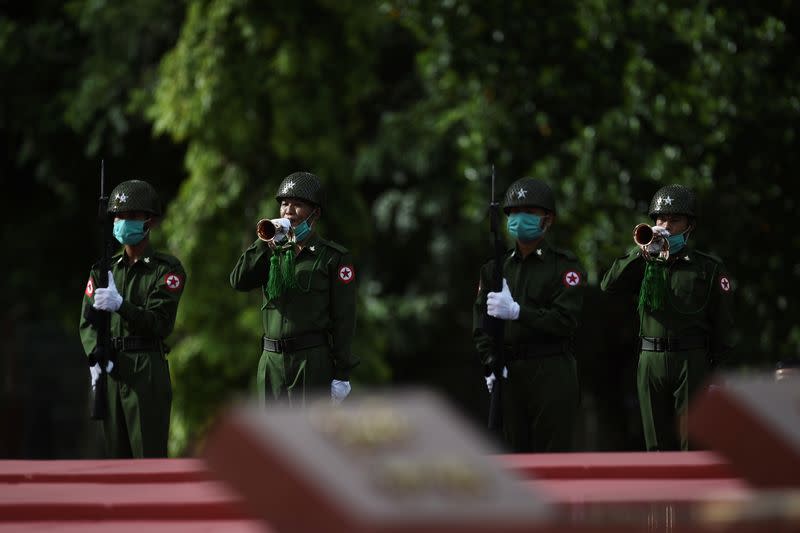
401,107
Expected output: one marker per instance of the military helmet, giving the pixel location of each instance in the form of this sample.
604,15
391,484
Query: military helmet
672,199
303,185
134,195
529,192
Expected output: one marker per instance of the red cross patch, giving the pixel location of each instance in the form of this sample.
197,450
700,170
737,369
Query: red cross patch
173,282
346,273
571,278
89,287
724,283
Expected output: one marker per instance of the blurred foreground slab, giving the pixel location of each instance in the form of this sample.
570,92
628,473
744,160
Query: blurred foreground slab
395,457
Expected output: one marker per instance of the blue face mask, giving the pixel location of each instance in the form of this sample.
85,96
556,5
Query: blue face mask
302,230
525,226
676,242
129,231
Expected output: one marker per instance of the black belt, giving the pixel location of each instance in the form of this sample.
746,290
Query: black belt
535,350
672,344
136,344
294,344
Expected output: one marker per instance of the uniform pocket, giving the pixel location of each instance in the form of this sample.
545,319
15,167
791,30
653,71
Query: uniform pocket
536,294
690,290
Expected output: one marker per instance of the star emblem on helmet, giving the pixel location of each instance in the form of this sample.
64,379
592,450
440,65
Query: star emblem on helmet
522,193
288,186
121,198
667,200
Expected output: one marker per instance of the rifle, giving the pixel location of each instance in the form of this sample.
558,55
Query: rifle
101,320
494,327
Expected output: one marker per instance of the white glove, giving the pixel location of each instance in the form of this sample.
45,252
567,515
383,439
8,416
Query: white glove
490,379
282,227
501,305
107,298
657,244
94,371
339,390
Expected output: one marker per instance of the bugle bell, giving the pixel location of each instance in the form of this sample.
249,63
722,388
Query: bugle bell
646,238
275,230
643,234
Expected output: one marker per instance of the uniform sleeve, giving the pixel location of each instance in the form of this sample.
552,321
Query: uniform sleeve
157,317
723,334
483,343
252,268
87,332
561,315
625,275
343,315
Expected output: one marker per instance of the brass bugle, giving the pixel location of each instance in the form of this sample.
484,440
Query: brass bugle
644,237
266,230
643,234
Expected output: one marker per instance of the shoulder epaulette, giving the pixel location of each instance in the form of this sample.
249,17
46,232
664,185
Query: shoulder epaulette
566,253
335,245
710,256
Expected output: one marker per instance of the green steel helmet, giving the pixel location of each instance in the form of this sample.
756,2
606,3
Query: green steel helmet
303,185
134,195
672,200
529,192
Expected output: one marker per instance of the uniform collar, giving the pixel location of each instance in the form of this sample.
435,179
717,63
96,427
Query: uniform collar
539,253
147,259
312,244
685,255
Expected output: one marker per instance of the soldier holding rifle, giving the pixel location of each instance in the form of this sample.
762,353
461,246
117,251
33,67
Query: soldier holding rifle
685,300
309,298
540,301
140,302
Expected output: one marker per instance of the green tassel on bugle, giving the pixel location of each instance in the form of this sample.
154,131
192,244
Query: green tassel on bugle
281,272
653,292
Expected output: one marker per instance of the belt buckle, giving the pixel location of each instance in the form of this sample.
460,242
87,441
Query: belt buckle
280,345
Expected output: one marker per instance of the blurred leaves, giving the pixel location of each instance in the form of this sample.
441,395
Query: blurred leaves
402,107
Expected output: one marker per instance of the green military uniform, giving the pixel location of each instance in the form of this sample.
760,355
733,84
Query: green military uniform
540,396
308,328
679,341
139,388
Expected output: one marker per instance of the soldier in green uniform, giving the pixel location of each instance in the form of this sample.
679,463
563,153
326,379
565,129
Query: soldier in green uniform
540,302
309,299
685,316
142,296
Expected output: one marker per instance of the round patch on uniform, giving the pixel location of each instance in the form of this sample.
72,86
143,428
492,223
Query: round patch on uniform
571,278
173,281
346,273
89,287
724,283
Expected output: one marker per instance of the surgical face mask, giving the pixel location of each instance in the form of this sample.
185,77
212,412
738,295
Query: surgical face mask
676,242
302,230
129,231
525,226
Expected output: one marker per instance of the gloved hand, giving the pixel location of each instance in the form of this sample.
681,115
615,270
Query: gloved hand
491,378
107,298
501,305
94,371
339,390
659,236
283,225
